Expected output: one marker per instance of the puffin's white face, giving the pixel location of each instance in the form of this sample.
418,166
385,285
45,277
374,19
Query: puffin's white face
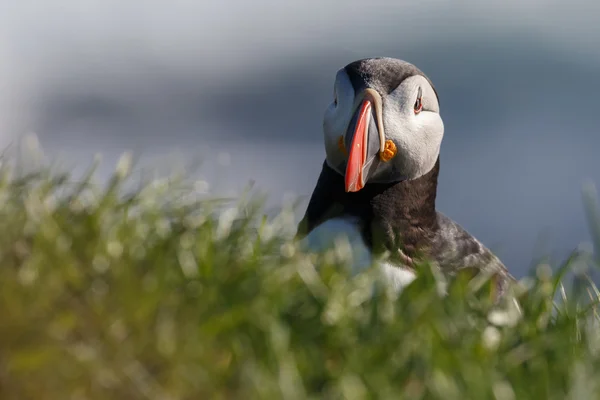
372,136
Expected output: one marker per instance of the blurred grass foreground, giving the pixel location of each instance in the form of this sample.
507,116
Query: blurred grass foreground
149,291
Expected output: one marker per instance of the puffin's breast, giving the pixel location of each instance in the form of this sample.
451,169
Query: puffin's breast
330,232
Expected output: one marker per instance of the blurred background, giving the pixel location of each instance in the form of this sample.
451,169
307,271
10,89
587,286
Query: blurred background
243,86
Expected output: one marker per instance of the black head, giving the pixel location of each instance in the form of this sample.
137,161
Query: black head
384,74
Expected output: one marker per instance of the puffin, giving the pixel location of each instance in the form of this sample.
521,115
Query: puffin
382,133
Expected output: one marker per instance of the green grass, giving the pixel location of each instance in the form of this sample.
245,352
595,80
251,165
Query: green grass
107,293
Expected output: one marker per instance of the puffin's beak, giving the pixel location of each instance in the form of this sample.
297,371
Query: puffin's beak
364,140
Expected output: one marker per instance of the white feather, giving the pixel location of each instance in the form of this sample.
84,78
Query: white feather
398,278
418,136
337,118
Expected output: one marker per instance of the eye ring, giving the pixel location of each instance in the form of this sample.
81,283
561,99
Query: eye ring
418,107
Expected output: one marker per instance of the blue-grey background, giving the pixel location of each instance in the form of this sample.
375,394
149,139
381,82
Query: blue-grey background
243,85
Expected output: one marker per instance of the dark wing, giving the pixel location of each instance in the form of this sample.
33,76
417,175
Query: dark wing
324,203
455,249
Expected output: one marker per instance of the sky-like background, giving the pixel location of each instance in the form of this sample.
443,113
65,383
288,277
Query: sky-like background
243,85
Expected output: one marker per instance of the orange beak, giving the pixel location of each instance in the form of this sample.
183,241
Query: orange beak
358,150
364,147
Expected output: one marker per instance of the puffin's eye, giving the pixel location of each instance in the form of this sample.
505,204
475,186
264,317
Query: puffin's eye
419,102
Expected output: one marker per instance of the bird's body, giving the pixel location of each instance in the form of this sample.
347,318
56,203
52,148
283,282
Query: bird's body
378,184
